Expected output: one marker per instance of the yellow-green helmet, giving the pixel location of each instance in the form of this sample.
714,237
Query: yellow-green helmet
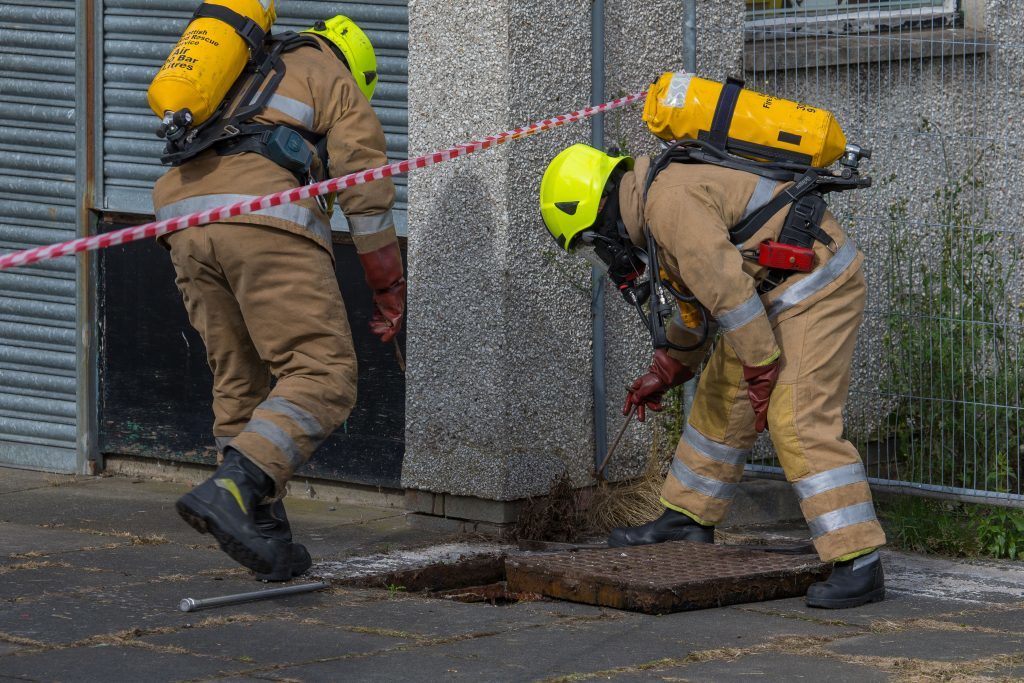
344,34
571,190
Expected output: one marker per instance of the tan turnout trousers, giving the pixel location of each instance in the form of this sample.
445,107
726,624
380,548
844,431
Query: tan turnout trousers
805,423
266,302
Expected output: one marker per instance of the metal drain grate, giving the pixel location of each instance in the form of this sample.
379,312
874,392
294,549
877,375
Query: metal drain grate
666,577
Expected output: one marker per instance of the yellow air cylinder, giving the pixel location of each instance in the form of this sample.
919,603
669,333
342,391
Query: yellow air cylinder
681,105
207,59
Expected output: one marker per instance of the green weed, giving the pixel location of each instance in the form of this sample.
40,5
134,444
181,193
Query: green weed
953,344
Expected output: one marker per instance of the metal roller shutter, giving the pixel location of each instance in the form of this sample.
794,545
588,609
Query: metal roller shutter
37,207
138,35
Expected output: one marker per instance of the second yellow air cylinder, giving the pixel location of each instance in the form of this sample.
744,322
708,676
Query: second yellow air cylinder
204,63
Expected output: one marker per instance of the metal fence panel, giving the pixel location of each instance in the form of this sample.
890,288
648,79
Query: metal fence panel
935,403
138,35
37,206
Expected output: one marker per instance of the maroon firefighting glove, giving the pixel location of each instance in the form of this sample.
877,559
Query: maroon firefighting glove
383,269
760,383
647,391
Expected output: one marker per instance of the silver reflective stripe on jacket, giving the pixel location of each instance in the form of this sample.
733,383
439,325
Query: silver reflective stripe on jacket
300,111
816,281
293,213
278,437
736,318
370,225
830,479
712,449
701,484
304,419
841,518
763,193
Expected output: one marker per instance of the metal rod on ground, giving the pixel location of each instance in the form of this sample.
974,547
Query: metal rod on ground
193,604
618,437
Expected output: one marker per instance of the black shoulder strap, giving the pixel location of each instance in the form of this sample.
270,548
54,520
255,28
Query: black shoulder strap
702,152
249,94
746,228
724,110
805,178
247,29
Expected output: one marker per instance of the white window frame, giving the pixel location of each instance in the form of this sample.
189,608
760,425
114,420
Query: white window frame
825,17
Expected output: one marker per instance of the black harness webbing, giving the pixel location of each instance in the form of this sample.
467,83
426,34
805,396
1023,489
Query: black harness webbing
806,179
809,184
249,95
724,109
247,29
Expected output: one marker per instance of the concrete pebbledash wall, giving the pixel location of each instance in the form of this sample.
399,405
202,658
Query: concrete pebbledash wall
499,393
499,363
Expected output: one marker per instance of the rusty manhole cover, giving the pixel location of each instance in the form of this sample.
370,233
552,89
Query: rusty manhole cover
666,577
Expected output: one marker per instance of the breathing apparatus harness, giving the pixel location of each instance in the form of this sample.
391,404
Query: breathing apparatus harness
801,229
228,130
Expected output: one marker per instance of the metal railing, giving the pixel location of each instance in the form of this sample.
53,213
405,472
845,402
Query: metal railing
936,393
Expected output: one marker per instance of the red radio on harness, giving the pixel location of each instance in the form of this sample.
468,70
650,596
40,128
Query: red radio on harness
785,256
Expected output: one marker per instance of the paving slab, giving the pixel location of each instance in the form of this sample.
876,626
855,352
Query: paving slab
59,620
47,579
19,539
930,644
895,607
769,666
280,641
981,582
13,480
517,655
377,535
153,561
103,664
1011,674
109,509
735,626
566,645
1009,620
436,618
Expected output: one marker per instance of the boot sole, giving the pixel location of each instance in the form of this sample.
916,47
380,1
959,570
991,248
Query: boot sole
876,595
290,571
204,519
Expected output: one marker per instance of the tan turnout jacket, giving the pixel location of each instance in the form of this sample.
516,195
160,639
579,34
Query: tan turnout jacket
690,208
318,94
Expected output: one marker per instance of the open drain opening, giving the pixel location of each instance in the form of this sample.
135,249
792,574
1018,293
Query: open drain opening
460,572
496,594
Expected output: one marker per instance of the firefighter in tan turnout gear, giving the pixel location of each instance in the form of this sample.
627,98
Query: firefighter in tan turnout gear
785,337
261,288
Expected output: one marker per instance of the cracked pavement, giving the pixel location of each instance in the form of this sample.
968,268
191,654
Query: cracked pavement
92,571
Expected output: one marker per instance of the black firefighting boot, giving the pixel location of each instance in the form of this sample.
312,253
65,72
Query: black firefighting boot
852,583
224,504
671,526
272,522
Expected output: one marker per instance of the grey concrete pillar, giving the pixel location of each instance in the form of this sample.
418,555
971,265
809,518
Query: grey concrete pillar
498,396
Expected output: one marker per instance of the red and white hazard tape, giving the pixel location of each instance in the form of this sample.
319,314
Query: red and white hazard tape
157,228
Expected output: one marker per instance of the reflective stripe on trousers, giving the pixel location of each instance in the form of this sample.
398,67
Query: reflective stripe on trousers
303,420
